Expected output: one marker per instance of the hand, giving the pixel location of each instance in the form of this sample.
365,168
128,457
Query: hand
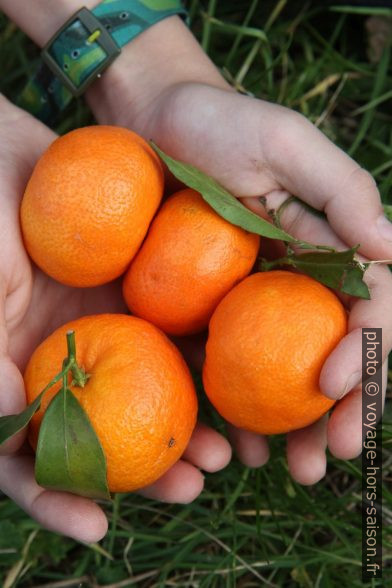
31,306
254,149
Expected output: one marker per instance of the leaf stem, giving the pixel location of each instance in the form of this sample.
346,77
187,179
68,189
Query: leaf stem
71,346
79,375
266,265
64,372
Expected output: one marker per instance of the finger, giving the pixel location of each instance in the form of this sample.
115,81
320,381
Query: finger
12,400
182,484
64,513
306,456
310,166
344,429
295,219
345,423
207,449
343,368
12,392
251,449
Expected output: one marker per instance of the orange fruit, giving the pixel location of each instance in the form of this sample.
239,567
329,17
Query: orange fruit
190,259
140,398
268,340
89,202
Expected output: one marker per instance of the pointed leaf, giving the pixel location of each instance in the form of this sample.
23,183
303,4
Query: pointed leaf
328,268
224,203
338,269
13,423
69,455
353,283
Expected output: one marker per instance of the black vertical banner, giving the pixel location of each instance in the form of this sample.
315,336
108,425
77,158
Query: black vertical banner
371,454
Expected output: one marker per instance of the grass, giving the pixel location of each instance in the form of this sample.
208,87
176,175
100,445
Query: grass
249,528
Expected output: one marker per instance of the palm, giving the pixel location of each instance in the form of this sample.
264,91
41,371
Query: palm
255,149
51,304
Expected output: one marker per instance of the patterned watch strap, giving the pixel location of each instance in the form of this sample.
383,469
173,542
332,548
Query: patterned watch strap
78,53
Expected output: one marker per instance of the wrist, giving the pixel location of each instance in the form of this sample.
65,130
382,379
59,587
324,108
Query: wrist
163,56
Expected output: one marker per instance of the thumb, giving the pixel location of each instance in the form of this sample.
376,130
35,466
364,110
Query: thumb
12,391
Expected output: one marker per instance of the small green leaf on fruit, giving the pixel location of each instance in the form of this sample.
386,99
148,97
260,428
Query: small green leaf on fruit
69,455
224,203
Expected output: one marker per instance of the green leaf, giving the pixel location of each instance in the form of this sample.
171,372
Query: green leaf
327,268
10,536
69,455
338,270
13,423
224,203
235,29
353,283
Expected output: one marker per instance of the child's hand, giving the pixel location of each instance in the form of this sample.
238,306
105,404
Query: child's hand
31,306
254,149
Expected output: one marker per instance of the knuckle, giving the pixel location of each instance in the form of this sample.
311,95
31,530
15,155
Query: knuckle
289,129
361,180
293,217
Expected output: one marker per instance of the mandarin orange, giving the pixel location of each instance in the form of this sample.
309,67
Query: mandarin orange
140,396
190,259
268,340
89,203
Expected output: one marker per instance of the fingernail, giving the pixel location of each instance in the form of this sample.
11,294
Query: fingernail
352,381
384,228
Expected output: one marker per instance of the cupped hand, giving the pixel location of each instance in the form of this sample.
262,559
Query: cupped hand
255,148
31,306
